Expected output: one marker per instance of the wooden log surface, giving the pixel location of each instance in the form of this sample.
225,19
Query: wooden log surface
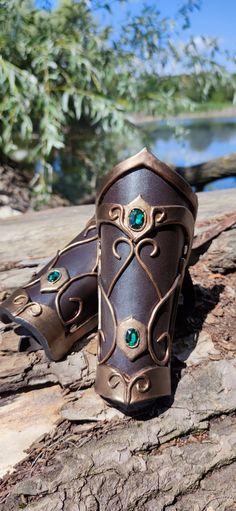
84,456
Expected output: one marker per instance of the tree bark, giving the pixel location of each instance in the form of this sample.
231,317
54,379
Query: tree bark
85,456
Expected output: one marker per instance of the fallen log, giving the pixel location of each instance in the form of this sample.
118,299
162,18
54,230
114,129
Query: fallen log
206,172
83,455
197,175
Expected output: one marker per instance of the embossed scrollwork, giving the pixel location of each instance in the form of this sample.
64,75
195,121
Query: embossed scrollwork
142,383
20,300
118,256
115,379
80,308
153,318
153,243
116,212
164,336
159,217
113,316
134,249
75,317
33,308
23,304
71,299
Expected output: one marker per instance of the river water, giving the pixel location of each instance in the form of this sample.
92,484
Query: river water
194,142
181,142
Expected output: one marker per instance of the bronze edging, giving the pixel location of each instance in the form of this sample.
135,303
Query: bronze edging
150,382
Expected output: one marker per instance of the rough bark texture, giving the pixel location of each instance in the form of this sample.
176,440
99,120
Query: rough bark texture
85,456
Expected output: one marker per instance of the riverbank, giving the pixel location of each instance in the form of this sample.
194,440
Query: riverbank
17,193
229,112
206,145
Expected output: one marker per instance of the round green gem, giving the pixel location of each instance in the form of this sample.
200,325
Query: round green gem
54,276
132,338
136,219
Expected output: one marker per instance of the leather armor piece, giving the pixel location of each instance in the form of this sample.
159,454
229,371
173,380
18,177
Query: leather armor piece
145,216
35,334
59,306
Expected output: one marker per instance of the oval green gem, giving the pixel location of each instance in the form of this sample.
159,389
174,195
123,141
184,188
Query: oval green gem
54,276
132,338
136,219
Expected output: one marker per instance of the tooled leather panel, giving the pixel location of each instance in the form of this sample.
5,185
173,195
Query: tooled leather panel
125,189
145,159
136,275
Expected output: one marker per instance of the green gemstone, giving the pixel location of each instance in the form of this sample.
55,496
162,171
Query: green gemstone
54,276
136,218
132,338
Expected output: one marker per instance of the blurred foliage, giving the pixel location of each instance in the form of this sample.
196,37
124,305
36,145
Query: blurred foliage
199,89
71,83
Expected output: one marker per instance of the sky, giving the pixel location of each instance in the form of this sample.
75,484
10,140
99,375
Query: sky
216,18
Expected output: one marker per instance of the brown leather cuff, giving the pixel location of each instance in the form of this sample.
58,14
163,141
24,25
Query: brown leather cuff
59,306
145,218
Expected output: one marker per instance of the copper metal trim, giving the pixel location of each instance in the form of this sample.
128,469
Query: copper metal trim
167,215
81,326
126,262
149,383
32,283
33,308
19,301
152,318
113,345
156,216
142,243
55,341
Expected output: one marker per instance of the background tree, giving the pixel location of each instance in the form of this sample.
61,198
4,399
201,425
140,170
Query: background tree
67,82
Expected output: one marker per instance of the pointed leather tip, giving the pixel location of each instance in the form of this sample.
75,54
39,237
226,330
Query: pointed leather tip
147,159
145,152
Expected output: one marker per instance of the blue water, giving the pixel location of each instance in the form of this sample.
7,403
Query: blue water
198,141
184,143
